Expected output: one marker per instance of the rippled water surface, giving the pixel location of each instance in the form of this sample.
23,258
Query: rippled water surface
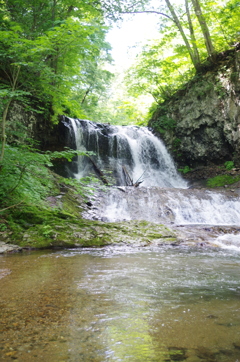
118,304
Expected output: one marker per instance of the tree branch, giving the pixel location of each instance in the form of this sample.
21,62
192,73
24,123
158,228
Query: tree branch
148,11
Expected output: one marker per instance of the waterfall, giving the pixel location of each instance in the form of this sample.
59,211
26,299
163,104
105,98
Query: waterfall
176,206
163,196
118,150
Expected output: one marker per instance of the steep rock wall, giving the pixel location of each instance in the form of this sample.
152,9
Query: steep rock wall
22,123
200,124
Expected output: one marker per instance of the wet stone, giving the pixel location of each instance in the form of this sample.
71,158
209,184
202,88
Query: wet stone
206,354
237,345
6,248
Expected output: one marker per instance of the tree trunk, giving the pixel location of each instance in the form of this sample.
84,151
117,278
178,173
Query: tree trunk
204,27
5,113
180,28
192,35
3,137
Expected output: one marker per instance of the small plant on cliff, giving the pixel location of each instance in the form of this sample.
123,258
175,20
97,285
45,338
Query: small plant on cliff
176,144
185,170
229,165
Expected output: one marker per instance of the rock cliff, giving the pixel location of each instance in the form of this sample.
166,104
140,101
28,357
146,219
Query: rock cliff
200,124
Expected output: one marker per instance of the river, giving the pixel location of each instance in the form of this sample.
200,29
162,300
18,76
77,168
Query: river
121,304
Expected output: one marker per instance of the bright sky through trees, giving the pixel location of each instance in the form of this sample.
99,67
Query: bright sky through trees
127,37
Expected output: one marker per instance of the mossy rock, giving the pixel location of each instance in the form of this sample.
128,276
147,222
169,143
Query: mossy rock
82,233
59,223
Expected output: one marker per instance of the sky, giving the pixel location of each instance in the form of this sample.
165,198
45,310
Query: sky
126,38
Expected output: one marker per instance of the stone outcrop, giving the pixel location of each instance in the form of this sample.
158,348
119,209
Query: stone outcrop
200,124
22,122
8,248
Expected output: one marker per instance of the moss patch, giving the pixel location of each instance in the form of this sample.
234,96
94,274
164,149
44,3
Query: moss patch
82,233
222,180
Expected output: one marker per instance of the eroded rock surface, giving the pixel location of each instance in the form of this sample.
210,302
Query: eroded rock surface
207,115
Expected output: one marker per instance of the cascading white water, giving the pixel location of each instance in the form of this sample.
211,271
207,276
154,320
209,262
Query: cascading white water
163,196
176,206
132,148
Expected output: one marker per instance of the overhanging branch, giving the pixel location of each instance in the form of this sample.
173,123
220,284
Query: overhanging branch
148,11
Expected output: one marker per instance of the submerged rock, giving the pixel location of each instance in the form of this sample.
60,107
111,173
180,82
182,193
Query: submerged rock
177,354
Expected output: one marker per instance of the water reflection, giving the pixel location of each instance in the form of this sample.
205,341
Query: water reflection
116,304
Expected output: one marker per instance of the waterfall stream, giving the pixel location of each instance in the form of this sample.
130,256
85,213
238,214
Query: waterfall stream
119,148
163,195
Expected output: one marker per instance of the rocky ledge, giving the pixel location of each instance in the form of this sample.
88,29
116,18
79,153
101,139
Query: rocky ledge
8,248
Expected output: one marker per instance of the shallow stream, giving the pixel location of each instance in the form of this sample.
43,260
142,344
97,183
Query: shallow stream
121,304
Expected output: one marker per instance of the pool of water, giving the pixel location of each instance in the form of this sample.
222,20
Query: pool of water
120,304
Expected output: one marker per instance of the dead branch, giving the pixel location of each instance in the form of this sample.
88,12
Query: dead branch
9,207
99,172
128,179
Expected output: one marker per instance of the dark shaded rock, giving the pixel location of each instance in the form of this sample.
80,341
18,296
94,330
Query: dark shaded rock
237,345
206,354
226,352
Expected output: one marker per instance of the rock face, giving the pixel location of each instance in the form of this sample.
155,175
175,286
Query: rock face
22,122
200,124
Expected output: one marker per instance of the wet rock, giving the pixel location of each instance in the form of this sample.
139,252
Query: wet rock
237,345
226,352
206,354
4,273
212,316
8,248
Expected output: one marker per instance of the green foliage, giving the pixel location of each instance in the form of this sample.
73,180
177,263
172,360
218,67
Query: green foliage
164,65
176,144
166,123
3,227
229,165
59,48
47,231
85,186
222,180
25,175
185,170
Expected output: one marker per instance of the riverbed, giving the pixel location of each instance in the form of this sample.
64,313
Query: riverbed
121,303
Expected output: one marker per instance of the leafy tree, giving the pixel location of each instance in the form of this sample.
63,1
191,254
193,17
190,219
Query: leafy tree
196,21
166,64
50,53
